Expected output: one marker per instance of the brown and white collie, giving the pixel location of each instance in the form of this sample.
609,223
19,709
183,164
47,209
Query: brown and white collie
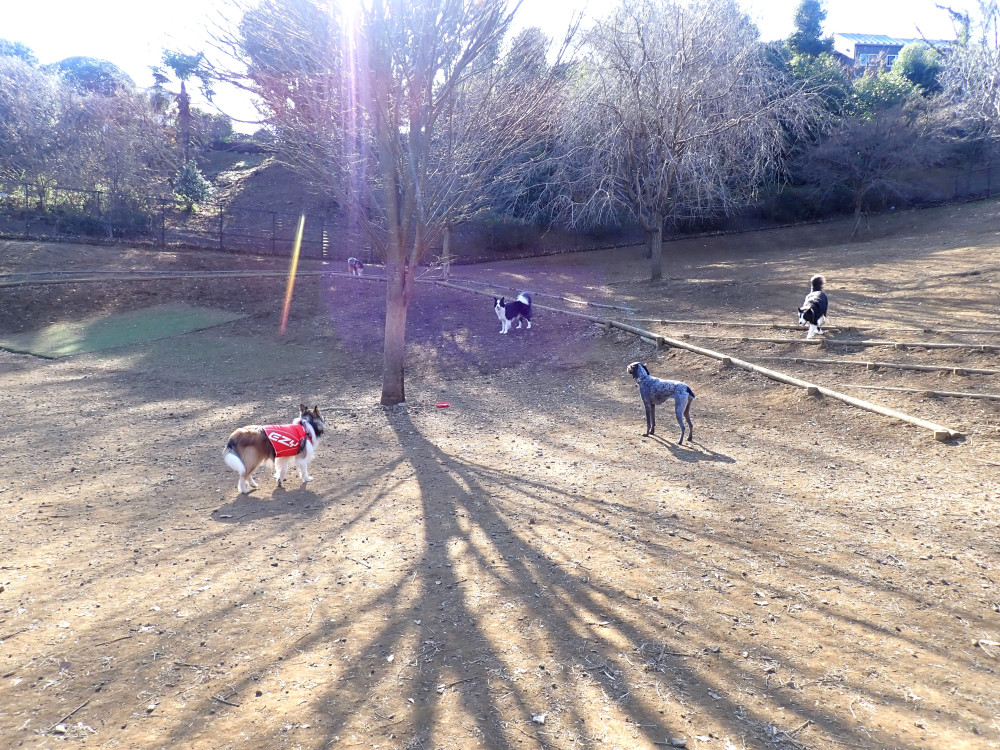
250,446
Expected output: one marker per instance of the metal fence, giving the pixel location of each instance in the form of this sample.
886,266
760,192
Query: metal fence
52,212
977,183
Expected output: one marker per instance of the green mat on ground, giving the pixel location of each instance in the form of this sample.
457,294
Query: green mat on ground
108,331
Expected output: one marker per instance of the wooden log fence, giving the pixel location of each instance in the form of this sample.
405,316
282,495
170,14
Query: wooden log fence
583,302
791,327
105,276
923,391
888,365
940,432
848,342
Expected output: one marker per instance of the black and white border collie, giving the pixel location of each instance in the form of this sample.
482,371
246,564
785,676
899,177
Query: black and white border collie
355,267
508,312
813,310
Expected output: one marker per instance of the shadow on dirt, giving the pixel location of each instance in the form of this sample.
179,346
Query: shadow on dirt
693,452
271,501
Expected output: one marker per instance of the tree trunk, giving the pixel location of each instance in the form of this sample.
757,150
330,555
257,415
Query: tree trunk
394,347
446,251
655,240
654,245
857,219
184,117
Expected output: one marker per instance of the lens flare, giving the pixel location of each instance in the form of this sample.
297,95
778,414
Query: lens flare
291,272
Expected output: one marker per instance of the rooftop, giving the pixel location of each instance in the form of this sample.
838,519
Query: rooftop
883,40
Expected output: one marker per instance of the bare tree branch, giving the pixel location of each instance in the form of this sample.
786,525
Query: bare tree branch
676,113
408,113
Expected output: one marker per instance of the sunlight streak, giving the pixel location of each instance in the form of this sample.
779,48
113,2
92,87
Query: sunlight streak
291,272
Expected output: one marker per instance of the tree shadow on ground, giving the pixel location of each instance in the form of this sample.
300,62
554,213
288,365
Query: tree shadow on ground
491,663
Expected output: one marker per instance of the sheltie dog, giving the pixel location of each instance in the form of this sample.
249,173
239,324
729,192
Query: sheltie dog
355,267
813,310
508,312
250,446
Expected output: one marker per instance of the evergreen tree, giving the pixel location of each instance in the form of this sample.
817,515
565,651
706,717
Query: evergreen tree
190,185
93,75
17,49
807,38
184,67
921,65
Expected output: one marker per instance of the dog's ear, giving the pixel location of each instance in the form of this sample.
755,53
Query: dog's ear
303,408
316,410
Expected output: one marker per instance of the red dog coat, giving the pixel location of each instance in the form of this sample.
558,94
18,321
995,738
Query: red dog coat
286,438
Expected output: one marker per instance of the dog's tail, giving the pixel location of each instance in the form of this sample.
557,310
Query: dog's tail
525,298
232,459
816,283
690,392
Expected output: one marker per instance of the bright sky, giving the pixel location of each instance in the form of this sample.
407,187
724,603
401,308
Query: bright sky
774,17
133,33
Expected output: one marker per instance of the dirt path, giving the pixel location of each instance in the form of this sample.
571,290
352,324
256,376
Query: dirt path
521,569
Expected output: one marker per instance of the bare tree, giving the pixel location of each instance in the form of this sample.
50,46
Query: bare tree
445,120
296,57
677,114
29,110
405,114
971,77
113,143
874,155
52,131
489,133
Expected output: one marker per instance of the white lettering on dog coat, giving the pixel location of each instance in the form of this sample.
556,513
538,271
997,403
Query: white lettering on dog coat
286,438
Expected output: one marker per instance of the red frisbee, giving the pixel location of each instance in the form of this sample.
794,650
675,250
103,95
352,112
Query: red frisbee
442,404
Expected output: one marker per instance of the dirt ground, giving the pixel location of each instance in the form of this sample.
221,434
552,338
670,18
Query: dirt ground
521,569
